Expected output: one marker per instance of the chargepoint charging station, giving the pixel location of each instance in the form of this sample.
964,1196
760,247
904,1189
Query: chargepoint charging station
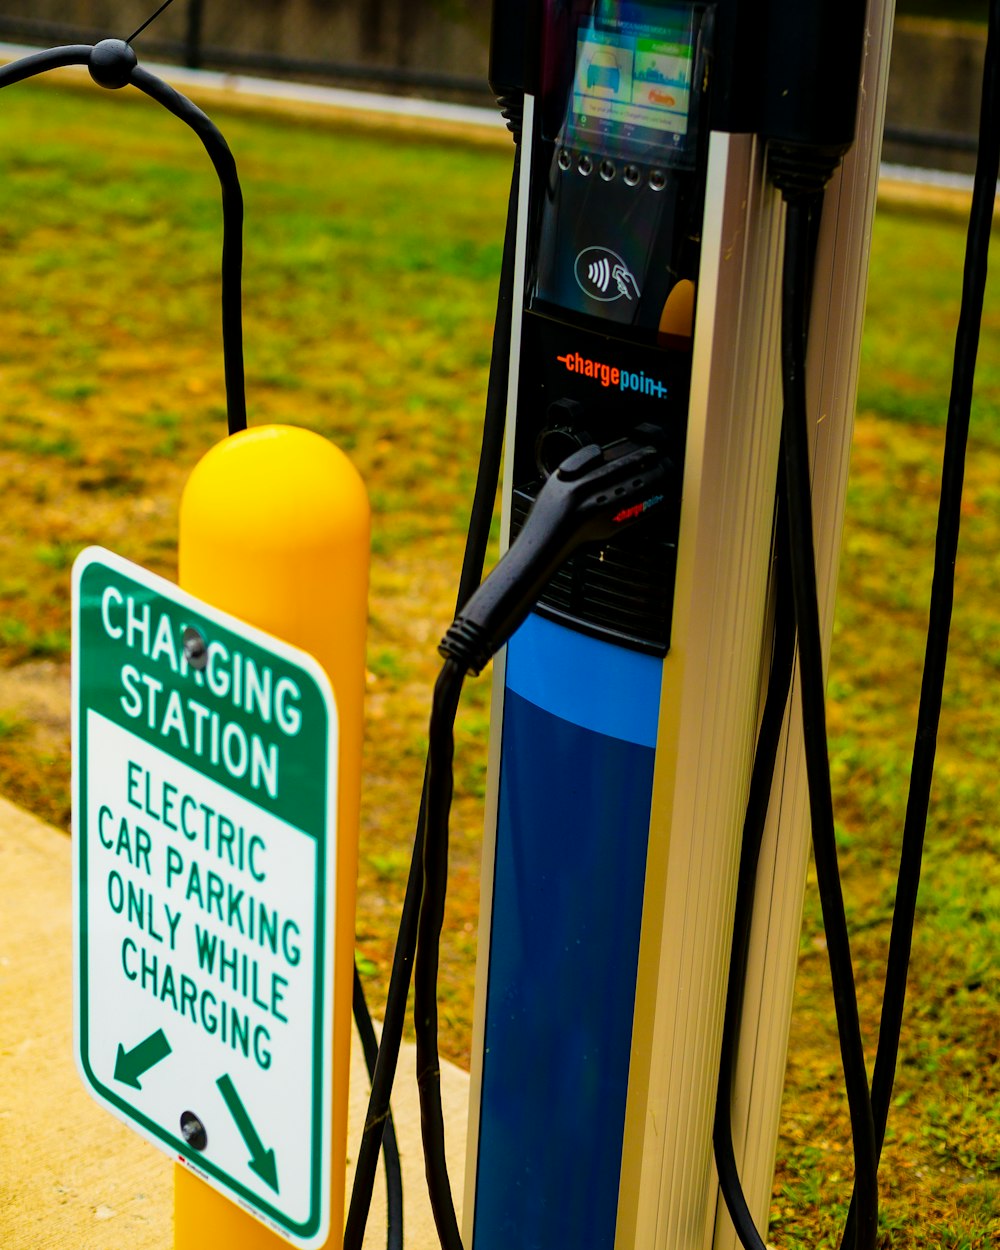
625,708
681,301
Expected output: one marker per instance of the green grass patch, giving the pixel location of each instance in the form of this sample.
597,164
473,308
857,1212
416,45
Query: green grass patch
913,299
369,303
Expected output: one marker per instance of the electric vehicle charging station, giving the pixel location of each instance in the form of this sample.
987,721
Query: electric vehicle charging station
627,705
625,709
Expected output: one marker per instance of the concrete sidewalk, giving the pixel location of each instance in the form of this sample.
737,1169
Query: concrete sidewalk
71,1176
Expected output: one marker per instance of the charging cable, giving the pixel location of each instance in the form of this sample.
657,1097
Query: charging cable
812,677
473,563
761,778
593,494
390,1149
943,581
861,1226
113,64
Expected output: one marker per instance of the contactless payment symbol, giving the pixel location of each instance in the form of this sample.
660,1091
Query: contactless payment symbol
603,275
205,843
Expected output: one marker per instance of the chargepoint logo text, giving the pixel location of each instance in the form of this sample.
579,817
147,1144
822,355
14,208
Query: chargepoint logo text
612,376
604,276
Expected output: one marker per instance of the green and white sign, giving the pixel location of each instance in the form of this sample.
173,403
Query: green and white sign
204,813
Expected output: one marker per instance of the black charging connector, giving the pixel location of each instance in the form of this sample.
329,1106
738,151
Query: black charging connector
593,495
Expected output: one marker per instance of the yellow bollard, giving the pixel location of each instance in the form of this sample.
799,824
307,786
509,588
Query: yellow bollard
274,528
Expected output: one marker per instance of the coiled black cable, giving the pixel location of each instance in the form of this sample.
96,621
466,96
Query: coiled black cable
390,1149
765,757
795,433
440,754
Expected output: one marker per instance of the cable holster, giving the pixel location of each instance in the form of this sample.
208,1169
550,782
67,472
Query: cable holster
594,494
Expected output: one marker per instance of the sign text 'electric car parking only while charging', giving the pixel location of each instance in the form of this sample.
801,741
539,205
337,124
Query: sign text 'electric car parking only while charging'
204,821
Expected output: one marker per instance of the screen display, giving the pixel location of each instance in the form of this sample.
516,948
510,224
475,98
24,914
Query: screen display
633,76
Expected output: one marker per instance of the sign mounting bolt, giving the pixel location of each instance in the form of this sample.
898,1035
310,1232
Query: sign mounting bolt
193,1131
195,648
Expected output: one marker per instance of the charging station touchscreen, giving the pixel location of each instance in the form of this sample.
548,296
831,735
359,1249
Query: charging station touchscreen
623,96
633,76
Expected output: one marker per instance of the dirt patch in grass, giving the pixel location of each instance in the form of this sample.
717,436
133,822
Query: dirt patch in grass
34,737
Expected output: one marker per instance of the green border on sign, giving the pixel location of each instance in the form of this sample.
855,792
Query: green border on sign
306,803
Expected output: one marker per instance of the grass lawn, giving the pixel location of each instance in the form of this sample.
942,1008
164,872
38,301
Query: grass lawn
369,303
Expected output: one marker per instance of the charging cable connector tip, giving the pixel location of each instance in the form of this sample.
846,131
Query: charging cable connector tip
593,495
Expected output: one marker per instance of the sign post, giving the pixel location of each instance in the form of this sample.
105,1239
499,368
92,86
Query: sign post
205,826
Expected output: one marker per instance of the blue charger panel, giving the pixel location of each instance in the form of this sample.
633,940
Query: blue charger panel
576,773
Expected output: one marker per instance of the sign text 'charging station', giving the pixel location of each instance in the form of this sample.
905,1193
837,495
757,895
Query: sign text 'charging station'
204,819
